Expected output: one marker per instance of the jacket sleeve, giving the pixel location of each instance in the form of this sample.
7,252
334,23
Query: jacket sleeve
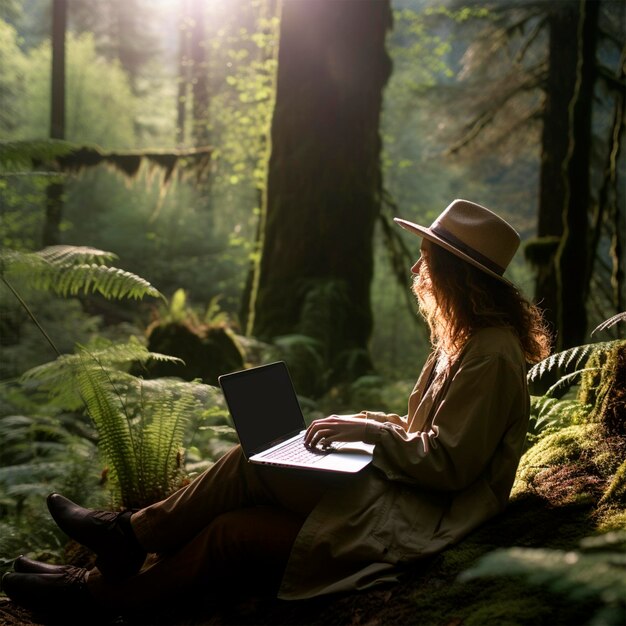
486,393
377,417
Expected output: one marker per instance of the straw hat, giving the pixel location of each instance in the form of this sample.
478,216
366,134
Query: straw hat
474,234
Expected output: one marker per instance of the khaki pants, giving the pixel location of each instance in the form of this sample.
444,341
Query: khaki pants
235,522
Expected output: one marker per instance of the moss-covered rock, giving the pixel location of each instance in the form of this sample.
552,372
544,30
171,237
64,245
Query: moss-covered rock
206,352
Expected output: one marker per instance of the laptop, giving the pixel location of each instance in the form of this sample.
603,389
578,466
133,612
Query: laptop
268,419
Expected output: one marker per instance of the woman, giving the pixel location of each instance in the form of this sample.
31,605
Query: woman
438,472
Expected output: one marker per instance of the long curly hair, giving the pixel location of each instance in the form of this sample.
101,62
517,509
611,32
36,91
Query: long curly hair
457,298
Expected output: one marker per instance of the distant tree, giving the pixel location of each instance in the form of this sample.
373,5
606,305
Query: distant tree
12,66
324,182
554,49
54,190
183,72
122,30
199,74
193,74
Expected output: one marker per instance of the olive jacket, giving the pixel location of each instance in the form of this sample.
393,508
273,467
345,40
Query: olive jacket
437,474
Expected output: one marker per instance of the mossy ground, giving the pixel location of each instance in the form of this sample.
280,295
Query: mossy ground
560,497
429,593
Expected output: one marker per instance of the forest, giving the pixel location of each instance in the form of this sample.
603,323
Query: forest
194,187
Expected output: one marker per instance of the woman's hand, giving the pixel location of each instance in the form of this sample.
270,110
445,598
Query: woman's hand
336,428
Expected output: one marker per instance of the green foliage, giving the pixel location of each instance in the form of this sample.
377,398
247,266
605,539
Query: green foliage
594,572
244,56
21,155
39,454
140,424
70,270
572,357
100,103
548,413
12,67
181,312
594,367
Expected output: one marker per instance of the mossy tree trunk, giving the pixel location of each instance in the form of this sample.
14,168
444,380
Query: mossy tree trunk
572,256
324,180
560,83
561,255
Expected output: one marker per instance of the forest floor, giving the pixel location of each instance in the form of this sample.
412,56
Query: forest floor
428,593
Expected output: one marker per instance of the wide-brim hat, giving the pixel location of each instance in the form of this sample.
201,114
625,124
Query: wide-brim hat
473,233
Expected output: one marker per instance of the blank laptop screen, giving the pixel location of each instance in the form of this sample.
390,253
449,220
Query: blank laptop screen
263,405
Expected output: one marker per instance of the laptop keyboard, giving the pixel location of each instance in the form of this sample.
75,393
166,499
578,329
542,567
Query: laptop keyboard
297,452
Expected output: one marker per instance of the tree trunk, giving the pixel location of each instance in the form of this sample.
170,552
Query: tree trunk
572,257
324,181
183,72
561,80
54,190
199,75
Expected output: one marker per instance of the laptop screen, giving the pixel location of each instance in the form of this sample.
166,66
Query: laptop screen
263,405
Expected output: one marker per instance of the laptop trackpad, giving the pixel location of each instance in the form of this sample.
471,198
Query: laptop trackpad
348,457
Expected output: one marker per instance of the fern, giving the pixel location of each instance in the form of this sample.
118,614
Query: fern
75,254
71,270
20,155
620,317
594,572
163,437
548,413
140,424
566,359
57,377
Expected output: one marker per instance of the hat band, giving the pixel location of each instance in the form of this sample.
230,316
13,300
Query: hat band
449,238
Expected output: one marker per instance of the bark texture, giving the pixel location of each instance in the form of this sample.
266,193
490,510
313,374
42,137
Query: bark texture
324,180
572,259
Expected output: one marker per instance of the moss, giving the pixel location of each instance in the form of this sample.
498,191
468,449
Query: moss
460,557
610,518
552,449
510,603
616,491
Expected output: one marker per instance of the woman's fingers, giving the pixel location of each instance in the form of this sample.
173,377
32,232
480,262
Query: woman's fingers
334,428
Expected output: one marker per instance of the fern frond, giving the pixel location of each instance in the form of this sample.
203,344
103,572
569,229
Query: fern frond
59,377
620,317
569,379
164,437
572,357
110,282
26,473
548,412
580,575
63,255
105,406
63,270
16,155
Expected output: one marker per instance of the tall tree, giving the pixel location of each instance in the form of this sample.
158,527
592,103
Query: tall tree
183,72
54,190
573,71
324,181
562,21
199,74
572,258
